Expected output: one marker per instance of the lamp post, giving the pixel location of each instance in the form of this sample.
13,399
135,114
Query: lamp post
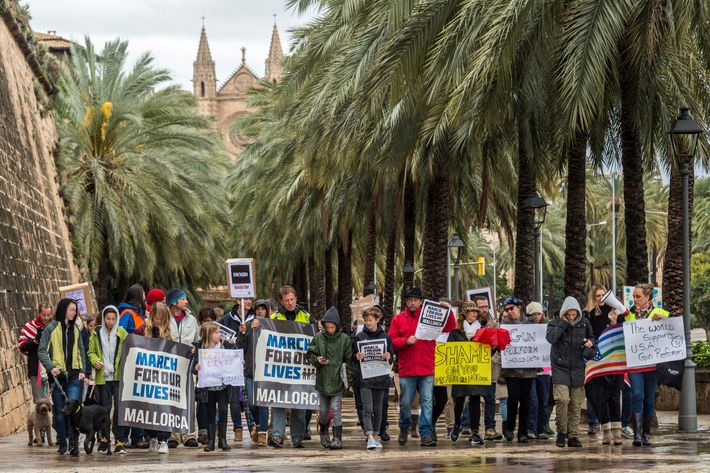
539,205
684,138
456,244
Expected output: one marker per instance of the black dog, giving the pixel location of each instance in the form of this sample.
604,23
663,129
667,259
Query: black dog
90,420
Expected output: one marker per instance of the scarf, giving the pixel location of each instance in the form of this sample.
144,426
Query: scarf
108,350
471,329
643,312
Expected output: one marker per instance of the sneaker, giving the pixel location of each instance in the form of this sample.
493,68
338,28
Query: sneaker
138,444
403,434
172,443
298,443
379,444
427,441
307,435
385,437
491,434
163,448
454,436
627,432
466,431
574,442
508,435
191,443
542,436
593,428
276,441
153,447
103,445
548,430
371,444
120,448
62,450
561,440
448,432
523,439
476,440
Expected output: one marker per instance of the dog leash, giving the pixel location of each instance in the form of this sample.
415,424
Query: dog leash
59,386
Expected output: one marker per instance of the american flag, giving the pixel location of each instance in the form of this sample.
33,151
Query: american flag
610,356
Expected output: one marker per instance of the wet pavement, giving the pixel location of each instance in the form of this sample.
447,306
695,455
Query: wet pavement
673,451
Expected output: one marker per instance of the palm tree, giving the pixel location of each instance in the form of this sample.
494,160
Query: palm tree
141,172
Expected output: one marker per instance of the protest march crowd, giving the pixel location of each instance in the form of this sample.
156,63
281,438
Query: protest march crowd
159,377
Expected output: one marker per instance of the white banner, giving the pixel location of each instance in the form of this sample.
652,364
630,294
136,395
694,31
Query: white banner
220,367
373,365
649,342
528,346
240,277
432,320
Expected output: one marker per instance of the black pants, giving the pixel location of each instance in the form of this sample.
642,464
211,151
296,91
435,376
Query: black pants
604,394
518,396
441,396
385,410
474,411
107,396
217,401
202,420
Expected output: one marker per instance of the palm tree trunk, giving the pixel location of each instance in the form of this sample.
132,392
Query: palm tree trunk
312,283
321,305
436,233
524,234
345,282
576,225
300,283
634,205
370,251
101,283
410,226
673,260
329,289
388,297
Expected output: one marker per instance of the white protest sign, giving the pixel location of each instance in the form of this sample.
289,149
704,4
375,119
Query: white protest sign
221,367
528,346
432,320
227,333
373,365
240,277
649,342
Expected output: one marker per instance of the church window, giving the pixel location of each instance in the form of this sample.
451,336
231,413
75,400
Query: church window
202,88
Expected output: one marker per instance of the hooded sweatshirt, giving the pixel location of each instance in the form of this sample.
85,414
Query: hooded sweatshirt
337,350
568,354
61,345
106,346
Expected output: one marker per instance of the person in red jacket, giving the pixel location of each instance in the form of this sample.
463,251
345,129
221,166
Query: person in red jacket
416,366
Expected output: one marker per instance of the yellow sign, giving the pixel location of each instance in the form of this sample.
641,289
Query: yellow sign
462,363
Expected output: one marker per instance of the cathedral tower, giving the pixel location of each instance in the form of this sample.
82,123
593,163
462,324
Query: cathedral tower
204,78
274,68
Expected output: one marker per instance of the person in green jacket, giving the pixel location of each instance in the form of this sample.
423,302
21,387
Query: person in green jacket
105,347
328,351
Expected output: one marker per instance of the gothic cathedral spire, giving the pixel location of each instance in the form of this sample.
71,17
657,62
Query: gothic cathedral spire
274,70
204,79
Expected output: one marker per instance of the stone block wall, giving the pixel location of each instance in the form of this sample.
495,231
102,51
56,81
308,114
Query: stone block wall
35,251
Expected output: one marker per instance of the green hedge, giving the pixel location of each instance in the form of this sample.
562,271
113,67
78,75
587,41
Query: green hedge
701,354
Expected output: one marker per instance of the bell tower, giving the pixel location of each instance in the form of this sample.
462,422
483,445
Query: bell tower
204,79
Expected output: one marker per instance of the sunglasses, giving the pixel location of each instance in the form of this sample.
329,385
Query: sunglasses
508,309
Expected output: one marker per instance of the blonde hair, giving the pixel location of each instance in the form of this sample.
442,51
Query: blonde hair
206,331
592,305
163,326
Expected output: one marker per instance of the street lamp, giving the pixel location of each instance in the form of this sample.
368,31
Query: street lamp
456,244
539,206
684,138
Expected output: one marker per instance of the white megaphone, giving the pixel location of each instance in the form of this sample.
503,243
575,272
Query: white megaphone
611,300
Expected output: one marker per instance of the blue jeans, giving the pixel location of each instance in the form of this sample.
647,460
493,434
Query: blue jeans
235,406
504,409
409,385
643,392
297,423
258,413
63,425
539,395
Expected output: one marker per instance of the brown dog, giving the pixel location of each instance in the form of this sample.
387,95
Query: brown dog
39,422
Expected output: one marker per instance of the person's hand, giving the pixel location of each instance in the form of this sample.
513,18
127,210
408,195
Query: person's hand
193,350
255,324
411,340
359,355
319,324
55,372
588,344
386,356
82,377
197,367
243,328
99,364
657,317
613,317
86,380
323,361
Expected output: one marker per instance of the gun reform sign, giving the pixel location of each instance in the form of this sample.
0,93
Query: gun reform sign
240,277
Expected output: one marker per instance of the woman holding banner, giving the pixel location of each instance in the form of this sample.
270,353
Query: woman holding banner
643,380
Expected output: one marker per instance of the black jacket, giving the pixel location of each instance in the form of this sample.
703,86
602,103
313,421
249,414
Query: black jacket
568,353
232,318
463,390
598,322
380,382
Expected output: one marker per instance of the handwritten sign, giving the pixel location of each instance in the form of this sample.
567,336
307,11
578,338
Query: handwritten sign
221,367
432,320
528,346
649,342
462,363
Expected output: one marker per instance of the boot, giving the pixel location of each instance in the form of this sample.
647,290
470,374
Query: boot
636,420
646,431
238,435
413,428
222,436
324,437
616,433
202,436
337,442
606,434
261,438
254,434
211,431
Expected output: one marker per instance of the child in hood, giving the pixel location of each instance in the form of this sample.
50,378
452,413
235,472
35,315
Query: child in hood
328,351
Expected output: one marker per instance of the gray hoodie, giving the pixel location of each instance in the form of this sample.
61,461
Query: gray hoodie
568,353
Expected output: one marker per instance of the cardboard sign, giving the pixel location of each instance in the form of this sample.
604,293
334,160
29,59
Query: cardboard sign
462,363
528,346
240,277
83,294
220,367
432,320
649,342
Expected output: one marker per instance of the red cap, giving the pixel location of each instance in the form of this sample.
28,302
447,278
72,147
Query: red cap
155,295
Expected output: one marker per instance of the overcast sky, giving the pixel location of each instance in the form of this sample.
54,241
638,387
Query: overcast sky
170,29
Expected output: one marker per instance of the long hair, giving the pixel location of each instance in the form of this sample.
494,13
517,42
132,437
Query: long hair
135,295
159,310
206,331
592,306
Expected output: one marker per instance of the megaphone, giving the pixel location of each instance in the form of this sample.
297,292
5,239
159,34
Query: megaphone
611,300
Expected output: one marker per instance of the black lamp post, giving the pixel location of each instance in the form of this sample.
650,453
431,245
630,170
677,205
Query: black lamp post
455,244
684,138
539,205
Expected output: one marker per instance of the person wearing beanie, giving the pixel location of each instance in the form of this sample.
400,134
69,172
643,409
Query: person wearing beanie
183,329
540,392
153,296
329,349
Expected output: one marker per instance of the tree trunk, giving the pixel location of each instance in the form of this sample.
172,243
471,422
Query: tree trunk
388,297
329,289
312,283
410,227
576,225
632,160
673,260
436,232
345,282
370,252
101,283
321,306
300,283
524,233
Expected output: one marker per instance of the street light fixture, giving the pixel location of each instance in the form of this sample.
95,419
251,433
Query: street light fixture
539,206
684,138
455,244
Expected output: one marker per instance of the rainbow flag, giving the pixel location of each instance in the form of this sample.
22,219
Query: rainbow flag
610,356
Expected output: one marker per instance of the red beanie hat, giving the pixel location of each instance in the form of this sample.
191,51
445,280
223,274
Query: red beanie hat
154,295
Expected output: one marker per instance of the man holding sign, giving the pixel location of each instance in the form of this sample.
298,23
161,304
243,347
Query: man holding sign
416,360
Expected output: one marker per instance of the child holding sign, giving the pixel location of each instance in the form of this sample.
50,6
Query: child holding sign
370,343
328,351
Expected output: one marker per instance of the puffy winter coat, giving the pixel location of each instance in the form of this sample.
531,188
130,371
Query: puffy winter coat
462,390
337,350
568,353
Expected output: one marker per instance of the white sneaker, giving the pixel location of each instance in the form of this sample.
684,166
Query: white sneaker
163,448
153,446
379,443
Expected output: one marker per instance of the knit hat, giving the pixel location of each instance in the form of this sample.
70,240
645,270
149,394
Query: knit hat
468,306
533,307
175,295
154,295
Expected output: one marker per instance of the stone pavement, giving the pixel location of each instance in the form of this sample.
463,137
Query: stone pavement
673,452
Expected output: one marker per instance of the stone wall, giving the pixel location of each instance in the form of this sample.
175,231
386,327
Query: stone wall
35,251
